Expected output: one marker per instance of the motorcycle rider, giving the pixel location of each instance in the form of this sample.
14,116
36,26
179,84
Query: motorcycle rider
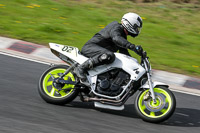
101,47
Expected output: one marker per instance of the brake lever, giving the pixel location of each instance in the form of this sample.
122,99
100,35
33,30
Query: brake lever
144,54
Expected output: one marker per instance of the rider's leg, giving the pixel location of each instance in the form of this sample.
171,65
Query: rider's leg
105,58
80,70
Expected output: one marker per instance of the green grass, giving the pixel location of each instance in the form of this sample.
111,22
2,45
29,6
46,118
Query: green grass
170,34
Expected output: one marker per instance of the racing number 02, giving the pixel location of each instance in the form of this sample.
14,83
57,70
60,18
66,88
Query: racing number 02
68,49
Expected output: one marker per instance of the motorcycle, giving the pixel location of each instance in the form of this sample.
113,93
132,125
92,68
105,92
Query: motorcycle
108,86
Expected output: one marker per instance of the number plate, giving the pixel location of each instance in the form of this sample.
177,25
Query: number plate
70,50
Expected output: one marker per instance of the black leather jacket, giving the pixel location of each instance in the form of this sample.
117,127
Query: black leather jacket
112,37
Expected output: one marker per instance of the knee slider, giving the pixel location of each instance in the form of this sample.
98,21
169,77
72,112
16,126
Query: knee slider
107,58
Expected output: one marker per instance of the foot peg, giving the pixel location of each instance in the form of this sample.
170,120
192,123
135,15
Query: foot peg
85,82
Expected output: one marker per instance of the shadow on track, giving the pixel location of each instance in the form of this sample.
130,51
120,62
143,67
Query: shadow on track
184,117
129,110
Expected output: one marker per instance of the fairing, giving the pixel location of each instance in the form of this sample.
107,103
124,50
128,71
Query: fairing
127,63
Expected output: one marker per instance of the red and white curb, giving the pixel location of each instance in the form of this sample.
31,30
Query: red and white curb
42,54
27,50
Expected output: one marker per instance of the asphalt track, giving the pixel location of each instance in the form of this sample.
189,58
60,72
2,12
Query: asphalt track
23,111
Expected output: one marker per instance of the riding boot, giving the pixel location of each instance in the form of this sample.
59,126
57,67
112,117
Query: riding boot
81,70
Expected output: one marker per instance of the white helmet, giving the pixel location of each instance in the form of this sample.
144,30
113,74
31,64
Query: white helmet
132,22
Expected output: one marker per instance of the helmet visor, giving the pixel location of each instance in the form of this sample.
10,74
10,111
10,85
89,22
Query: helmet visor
135,31
137,28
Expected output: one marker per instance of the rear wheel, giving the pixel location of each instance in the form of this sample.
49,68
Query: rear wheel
155,112
57,93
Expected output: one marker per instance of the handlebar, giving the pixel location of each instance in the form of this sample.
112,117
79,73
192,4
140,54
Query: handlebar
144,54
143,57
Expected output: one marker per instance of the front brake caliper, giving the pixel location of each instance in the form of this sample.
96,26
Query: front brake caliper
147,96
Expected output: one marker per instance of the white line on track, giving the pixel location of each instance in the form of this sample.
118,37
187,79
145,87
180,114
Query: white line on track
20,57
182,114
33,60
185,92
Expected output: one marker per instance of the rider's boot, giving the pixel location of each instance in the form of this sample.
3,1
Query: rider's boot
81,70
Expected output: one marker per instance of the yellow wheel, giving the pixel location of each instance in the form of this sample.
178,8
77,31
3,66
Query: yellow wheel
57,93
159,111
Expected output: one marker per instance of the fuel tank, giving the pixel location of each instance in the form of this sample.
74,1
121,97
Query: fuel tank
127,63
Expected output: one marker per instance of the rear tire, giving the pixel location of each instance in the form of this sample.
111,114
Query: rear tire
52,95
159,112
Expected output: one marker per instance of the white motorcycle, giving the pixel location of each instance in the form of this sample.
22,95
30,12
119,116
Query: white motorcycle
108,86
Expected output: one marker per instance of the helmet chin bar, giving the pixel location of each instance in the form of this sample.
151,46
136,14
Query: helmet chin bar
133,35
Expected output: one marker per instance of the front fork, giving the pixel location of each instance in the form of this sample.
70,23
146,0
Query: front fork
150,82
151,88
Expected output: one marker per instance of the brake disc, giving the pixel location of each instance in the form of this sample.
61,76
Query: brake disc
160,103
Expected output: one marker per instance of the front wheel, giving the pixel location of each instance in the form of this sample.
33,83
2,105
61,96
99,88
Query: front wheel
155,112
57,93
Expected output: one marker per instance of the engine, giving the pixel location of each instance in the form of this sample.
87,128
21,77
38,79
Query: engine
110,83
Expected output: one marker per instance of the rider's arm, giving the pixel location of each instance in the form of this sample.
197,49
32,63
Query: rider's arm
119,40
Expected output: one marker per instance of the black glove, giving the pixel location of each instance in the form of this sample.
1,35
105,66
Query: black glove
132,47
139,50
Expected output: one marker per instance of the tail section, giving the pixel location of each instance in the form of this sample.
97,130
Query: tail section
71,52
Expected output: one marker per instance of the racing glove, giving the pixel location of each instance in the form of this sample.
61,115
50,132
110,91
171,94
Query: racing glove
137,49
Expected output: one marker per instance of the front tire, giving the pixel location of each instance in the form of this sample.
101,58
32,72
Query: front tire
50,93
159,112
